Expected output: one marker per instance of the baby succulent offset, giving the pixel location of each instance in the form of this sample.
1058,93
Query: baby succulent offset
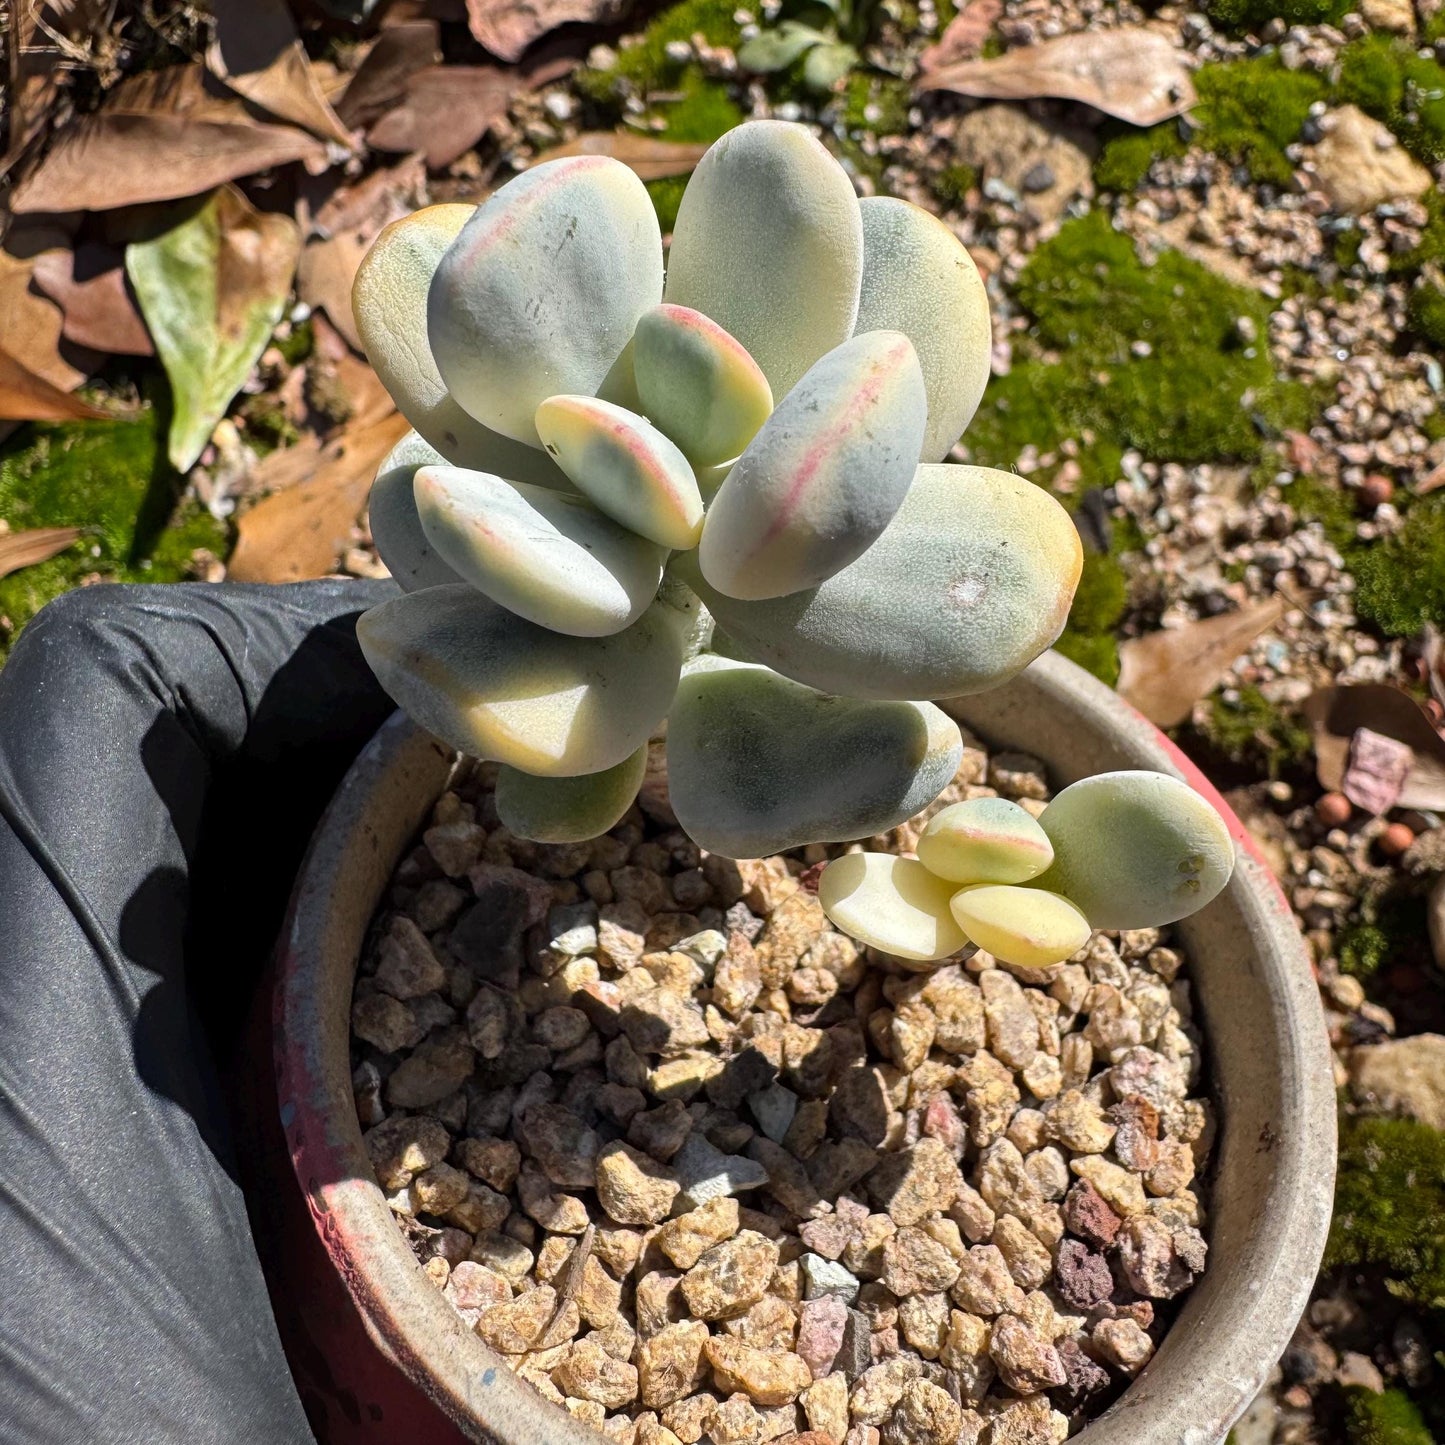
1119,850
708,501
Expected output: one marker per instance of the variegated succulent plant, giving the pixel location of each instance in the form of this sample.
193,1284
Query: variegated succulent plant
706,500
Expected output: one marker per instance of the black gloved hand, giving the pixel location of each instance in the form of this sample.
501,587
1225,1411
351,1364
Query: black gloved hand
164,755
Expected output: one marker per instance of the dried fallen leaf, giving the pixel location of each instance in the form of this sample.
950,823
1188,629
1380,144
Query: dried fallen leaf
33,326
302,532
161,135
1336,714
346,224
212,289
1134,74
258,53
508,27
964,36
380,80
651,158
24,396
1167,672
446,111
25,549
89,286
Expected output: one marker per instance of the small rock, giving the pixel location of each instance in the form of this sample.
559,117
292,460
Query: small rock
821,1323
1013,1027
855,1354
516,1327
1028,1261
704,1172
1083,1278
590,1373
1085,1376
662,1022
1122,1344
401,1148
661,1132
386,1023
734,1422
559,1213
1402,1077
914,1261
774,1109
769,1324
923,1322
506,1256
915,1182
924,1415
984,1285
670,1364
494,1161
686,1238
1089,1215
879,1389
1079,1123
730,1276
1026,1362
436,1068
767,1377
408,967
1149,1259
826,1277
1360,165
632,1188
825,1403
563,1146
1121,1190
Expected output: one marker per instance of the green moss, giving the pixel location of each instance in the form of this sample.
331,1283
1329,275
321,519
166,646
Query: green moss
1254,15
1248,112
1251,729
1318,501
297,344
876,103
1200,393
1390,1206
111,479
1400,580
1362,948
1346,247
1386,1419
1100,601
1390,80
1095,652
647,65
1427,313
953,183
1431,248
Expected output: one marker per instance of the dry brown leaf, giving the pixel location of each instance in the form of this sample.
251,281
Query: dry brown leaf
89,285
33,323
508,27
1335,714
347,222
964,37
446,111
1133,74
651,158
161,136
45,36
25,549
24,396
380,80
302,532
1167,672
258,53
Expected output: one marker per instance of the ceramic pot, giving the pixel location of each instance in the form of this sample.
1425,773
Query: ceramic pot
1271,1188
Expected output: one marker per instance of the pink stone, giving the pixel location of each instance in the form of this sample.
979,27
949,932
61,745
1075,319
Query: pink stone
1377,771
820,1332
942,1121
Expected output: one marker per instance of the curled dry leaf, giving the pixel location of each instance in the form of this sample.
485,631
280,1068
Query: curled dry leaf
964,37
99,309
1167,672
652,159
380,80
508,27
258,53
212,288
1134,74
161,136
1336,714
24,396
446,110
33,323
25,549
302,532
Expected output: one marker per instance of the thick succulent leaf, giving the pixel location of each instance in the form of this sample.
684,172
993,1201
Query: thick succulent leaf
698,383
824,476
550,557
541,291
493,685
918,279
769,243
568,810
395,527
757,764
966,586
891,903
1135,849
1030,927
625,465
984,840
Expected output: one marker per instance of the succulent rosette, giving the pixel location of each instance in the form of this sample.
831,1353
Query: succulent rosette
704,499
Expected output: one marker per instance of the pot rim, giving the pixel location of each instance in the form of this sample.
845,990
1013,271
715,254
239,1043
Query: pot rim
1234,1324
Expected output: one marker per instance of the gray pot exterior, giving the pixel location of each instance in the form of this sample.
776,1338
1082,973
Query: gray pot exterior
1272,1183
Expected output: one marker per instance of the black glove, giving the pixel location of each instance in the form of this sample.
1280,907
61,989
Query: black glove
164,755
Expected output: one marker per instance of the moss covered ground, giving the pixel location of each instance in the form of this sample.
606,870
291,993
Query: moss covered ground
112,480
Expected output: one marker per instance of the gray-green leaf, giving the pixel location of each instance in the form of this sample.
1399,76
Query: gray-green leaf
212,288
774,50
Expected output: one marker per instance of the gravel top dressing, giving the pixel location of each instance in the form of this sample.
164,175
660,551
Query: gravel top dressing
702,1169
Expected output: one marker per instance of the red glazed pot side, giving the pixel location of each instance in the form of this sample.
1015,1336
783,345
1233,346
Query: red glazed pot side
380,1356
